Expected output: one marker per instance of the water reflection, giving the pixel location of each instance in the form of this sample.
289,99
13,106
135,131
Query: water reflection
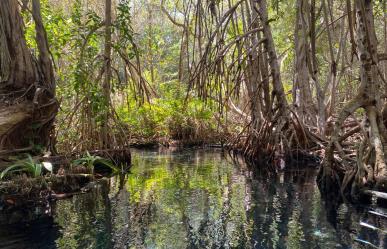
201,199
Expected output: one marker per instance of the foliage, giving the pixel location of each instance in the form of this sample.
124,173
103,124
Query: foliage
170,116
90,161
28,166
75,33
143,33
124,28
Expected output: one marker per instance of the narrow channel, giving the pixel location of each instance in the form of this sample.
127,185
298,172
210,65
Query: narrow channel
200,198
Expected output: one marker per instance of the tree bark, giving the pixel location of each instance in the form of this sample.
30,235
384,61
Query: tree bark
278,90
28,106
367,50
16,62
368,98
302,94
105,136
44,53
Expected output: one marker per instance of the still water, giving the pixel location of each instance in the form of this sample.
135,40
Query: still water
200,199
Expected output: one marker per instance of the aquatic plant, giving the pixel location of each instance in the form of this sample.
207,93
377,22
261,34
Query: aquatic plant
28,166
90,161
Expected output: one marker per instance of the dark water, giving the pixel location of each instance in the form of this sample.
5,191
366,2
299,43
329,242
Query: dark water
200,199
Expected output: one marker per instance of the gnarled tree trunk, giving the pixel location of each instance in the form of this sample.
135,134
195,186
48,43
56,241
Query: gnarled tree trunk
27,87
281,133
371,157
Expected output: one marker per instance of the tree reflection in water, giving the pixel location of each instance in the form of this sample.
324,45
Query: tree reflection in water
204,199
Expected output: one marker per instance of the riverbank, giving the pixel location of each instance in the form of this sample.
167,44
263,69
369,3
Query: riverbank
30,186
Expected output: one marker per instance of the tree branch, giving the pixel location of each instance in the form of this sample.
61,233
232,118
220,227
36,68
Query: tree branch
170,17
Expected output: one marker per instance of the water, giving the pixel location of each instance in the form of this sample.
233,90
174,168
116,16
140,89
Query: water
199,199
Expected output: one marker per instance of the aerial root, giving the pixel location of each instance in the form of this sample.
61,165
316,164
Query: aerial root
284,137
368,168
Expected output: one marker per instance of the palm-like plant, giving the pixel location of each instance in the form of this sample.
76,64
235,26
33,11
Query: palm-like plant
28,166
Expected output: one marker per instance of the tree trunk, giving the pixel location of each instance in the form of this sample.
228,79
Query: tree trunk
253,79
302,94
150,41
278,90
105,136
17,68
313,67
28,106
367,50
368,98
280,130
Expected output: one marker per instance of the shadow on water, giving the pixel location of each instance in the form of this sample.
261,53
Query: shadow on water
201,199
